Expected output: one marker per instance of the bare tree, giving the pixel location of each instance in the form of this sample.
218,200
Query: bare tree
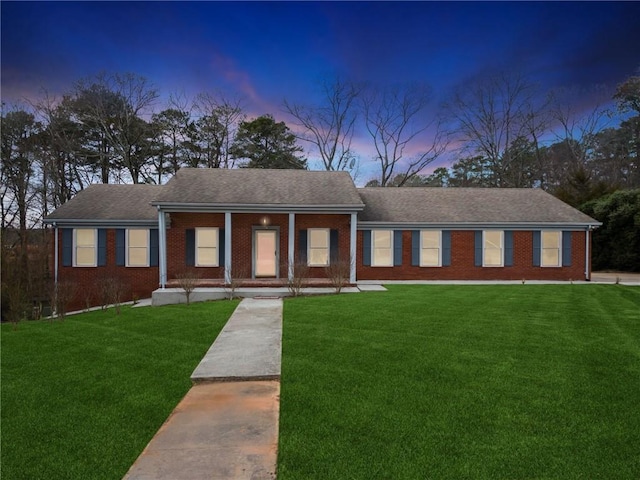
395,120
115,104
492,114
215,129
188,281
339,272
329,126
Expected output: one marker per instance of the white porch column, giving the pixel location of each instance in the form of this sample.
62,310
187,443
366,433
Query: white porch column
162,248
586,254
291,245
55,254
227,247
352,252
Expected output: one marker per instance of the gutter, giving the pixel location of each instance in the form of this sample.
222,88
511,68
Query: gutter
257,208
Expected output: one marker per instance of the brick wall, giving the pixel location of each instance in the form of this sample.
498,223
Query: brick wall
463,262
138,282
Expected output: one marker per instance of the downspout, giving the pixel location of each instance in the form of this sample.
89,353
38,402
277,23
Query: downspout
586,254
352,248
162,247
55,254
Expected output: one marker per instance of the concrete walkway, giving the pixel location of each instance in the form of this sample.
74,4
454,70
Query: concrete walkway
226,427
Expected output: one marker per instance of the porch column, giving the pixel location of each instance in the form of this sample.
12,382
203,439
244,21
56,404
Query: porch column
291,245
55,254
352,252
162,248
227,247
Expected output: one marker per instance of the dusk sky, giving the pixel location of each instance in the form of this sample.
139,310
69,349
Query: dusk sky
266,52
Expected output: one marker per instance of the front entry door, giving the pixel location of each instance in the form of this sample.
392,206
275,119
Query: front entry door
266,253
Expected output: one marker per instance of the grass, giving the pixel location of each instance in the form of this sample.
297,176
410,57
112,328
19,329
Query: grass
83,397
462,382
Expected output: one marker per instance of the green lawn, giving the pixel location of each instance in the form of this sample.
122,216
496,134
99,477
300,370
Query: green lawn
83,397
462,382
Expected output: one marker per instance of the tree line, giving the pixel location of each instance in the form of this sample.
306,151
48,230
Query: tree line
503,131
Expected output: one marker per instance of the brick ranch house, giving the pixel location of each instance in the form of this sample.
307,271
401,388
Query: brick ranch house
260,222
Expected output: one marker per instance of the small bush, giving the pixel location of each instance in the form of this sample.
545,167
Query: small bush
339,273
188,279
298,279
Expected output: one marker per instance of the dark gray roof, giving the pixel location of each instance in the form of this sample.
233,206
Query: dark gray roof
110,203
466,205
259,187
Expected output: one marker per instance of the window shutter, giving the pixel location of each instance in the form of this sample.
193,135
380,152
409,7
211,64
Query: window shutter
221,247
446,248
478,248
366,248
397,248
537,246
67,247
508,248
154,247
120,247
102,247
302,246
415,248
190,247
566,248
333,245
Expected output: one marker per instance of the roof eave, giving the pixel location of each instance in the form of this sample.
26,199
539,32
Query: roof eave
82,222
257,208
362,225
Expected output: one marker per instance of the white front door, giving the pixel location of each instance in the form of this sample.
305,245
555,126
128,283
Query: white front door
265,254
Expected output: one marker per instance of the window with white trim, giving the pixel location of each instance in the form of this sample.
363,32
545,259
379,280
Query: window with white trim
318,247
430,248
382,248
206,247
551,246
85,247
492,248
137,247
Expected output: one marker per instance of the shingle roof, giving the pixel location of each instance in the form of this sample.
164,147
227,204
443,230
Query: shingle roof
260,187
110,203
466,205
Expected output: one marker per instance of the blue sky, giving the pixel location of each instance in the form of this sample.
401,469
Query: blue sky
268,51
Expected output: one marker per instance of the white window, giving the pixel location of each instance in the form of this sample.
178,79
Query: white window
318,247
138,247
492,248
206,247
382,248
430,248
85,248
551,249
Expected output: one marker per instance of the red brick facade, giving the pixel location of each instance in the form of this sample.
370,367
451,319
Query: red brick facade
139,282
463,262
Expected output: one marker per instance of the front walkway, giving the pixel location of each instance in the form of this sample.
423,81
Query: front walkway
226,427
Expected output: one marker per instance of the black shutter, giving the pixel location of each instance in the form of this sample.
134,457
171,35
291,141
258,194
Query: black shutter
508,248
478,248
190,247
302,246
120,247
566,248
366,247
446,248
415,248
102,247
221,247
333,245
397,248
67,247
154,247
537,246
